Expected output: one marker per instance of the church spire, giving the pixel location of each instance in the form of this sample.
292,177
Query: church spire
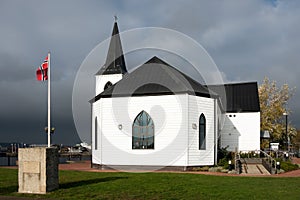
115,61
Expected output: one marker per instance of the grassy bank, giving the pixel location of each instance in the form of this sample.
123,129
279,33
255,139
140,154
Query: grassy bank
89,185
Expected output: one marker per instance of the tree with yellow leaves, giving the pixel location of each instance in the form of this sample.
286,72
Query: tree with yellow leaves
296,142
273,104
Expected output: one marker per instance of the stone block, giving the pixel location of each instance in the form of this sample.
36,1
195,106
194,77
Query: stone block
38,170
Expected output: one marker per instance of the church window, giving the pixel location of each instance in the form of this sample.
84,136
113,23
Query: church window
202,132
107,85
96,133
143,132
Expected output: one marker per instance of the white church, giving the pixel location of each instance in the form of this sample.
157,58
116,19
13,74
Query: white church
157,116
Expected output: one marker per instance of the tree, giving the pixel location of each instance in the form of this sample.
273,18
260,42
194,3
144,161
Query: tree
273,103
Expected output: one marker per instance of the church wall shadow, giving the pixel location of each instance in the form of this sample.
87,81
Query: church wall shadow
88,182
230,135
8,190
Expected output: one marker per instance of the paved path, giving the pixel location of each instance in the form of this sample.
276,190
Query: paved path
86,166
256,169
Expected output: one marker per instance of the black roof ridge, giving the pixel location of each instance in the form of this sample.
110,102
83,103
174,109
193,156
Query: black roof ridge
157,60
160,61
154,58
234,83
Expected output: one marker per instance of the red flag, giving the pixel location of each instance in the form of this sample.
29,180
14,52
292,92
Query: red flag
42,71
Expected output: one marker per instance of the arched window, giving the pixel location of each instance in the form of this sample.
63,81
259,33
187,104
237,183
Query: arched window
202,132
143,132
96,134
107,85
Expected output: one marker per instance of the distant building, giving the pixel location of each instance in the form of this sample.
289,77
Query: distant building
190,115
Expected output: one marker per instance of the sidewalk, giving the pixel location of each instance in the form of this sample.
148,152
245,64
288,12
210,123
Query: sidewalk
86,166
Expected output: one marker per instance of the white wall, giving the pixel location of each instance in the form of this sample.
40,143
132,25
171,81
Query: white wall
169,114
198,105
219,123
241,131
96,151
101,80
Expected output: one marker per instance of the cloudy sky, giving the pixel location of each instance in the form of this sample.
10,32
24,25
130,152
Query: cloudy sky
248,40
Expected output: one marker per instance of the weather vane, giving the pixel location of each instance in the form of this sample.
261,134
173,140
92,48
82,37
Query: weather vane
116,18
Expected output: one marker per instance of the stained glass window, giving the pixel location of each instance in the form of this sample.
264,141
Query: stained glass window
143,132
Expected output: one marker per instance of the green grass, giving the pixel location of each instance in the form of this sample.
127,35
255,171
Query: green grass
91,185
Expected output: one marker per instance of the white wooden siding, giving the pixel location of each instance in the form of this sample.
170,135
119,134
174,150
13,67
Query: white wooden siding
101,80
176,142
96,153
169,114
198,105
241,131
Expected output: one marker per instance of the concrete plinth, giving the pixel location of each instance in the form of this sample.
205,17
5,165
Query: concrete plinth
38,170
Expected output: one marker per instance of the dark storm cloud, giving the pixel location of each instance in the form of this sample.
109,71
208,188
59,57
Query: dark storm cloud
247,39
28,31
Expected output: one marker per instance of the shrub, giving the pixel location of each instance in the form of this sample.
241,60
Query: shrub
224,156
215,169
205,168
251,154
201,169
224,163
288,166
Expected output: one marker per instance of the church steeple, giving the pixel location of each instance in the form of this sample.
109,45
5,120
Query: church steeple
115,61
114,68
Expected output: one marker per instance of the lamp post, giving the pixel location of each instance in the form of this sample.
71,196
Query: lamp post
286,130
52,129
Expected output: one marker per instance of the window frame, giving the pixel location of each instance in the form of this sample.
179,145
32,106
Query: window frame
107,85
143,131
96,134
202,132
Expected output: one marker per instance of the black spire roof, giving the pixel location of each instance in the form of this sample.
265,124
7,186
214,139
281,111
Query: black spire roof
115,61
155,77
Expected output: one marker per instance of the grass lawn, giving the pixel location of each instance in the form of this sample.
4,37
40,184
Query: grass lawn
91,185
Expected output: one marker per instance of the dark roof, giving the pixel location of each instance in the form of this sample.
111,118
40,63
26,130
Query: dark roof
115,61
155,77
239,97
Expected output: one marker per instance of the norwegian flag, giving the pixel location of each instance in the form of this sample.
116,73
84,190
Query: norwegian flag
42,71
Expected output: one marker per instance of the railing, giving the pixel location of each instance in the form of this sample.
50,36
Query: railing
238,163
245,166
268,162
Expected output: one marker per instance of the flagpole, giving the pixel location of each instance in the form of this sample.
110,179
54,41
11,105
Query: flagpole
49,103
